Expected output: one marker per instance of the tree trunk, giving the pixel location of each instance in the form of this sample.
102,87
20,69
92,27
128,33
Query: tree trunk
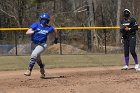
118,22
91,22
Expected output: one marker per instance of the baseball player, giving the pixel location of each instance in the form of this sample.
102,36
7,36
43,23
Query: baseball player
39,32
128,30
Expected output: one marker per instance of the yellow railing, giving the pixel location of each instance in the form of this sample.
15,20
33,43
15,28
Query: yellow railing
67,28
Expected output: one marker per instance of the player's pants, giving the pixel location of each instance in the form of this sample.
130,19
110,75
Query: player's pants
37,49
130,45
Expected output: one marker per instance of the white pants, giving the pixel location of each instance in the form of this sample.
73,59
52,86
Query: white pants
37,49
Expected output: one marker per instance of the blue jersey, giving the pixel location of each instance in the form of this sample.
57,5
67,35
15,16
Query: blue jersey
40,33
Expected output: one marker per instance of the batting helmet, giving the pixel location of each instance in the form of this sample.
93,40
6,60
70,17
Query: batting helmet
44,18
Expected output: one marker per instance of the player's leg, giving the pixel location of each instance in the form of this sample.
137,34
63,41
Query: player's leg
32,60
39,61
133,52
42,67
37,51
126,54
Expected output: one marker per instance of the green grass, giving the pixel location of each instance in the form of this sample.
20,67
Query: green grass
63,61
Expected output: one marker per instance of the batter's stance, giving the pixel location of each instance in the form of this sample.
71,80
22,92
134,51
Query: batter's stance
39,32
128,30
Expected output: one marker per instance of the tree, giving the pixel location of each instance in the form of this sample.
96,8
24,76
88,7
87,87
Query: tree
118,22
92,22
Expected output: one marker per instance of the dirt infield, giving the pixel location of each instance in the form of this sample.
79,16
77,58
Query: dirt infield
72,80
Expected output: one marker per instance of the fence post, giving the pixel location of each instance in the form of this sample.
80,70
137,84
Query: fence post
60,42
105,41
89,42
16,41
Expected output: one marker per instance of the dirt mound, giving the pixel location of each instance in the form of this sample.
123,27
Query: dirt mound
66,49
21,49
52,49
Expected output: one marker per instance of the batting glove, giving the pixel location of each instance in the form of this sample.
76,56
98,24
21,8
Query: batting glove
55,40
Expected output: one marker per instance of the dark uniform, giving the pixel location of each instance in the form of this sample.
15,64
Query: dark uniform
128,30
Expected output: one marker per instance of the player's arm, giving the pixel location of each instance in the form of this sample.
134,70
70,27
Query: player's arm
56,36
122,30
29,31
32,28
56,33
134,25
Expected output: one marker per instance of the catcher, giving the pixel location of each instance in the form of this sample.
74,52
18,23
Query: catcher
39,32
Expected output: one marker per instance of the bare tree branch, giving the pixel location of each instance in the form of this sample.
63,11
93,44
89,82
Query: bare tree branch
6,13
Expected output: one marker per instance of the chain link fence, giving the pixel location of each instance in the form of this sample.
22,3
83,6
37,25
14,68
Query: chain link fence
71,42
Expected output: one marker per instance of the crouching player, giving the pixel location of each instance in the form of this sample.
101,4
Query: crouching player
39,32
128,30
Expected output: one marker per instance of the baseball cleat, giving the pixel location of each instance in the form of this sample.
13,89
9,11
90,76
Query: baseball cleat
42,71
138,69
27,73
42,76
125,67
137,66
